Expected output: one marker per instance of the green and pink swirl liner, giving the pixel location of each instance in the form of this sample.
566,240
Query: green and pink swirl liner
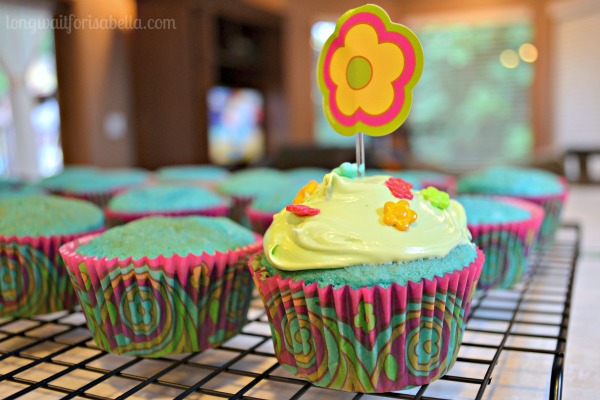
370,339
507,243
153,307
33,276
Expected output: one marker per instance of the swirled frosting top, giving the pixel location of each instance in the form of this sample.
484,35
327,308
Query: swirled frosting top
349,228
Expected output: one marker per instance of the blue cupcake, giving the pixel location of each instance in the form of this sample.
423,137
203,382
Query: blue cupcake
504,229
540,187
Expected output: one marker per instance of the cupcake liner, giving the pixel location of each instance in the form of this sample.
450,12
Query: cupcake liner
165,305
369,339
506,245
114,218
259,220
553,205
33,276
101,199
237,212
447,184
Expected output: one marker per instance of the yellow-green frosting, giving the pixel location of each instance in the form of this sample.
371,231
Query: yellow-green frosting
349,229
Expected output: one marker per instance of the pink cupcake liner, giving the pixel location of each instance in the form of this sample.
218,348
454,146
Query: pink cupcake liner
33,276
506,245
259,220
447,184
153,307
101,199
237,212
114,218
369,339
553,205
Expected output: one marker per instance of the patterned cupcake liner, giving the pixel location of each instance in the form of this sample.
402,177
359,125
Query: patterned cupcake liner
101,199
115,218
33,276
553,205
237,212
259,220
446,183
370,339
506,245
166,305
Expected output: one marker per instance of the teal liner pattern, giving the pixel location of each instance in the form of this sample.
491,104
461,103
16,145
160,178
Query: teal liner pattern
155,307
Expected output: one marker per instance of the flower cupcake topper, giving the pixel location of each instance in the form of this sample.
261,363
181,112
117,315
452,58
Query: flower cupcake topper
366,72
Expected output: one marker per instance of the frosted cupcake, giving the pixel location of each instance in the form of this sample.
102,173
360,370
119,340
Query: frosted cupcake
164,199
367,284
538,186
504,229
32,228
163,285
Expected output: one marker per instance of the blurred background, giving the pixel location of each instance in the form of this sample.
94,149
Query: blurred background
150,83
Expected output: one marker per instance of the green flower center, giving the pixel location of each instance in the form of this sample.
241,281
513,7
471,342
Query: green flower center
359,72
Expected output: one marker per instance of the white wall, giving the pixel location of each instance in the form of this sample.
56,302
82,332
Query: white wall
576,74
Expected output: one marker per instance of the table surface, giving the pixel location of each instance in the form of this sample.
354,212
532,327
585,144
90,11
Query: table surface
582,360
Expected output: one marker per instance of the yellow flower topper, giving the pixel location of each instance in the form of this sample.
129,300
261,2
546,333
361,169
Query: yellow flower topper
366,72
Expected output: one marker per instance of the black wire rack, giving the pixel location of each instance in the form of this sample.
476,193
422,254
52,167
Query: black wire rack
514,346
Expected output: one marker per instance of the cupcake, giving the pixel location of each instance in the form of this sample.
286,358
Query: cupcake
245,185
504,229
20,191
163,285
268,203
538,186
95,185
164,199
367,284
32,228
302,175
278,194
425,178
209,175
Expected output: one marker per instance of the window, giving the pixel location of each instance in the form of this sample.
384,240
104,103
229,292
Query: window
29,112
472,104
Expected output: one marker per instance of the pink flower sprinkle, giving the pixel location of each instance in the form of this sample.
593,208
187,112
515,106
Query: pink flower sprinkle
301,210
400,188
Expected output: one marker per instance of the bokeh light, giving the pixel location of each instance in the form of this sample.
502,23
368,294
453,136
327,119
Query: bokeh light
509,58
528,52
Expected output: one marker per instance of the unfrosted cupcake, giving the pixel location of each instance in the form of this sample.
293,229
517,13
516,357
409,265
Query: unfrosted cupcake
245,185
209,175
268,203
367,284
32,228
95,185
302,175
164,199
425,178
20,191
504,229
163,285
538,186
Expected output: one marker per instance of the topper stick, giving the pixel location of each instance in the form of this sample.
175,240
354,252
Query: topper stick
360,155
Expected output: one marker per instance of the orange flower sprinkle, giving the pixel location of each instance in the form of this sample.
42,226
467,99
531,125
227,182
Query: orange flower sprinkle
398,214
306,191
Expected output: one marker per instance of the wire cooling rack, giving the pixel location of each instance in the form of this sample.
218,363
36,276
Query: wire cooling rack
514,346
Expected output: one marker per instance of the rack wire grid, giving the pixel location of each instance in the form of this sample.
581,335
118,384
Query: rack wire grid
513,346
